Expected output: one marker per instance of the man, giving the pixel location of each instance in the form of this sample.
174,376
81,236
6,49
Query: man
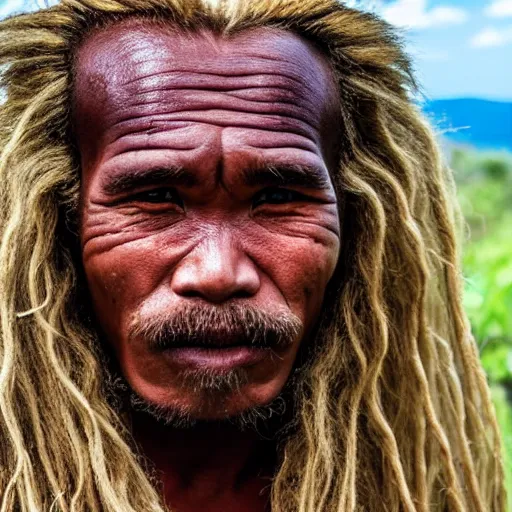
228,268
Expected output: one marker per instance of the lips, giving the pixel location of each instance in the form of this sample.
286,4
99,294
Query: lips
216,343
215,358
215,339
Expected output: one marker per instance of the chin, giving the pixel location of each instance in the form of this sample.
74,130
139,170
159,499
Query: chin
177,387
206,396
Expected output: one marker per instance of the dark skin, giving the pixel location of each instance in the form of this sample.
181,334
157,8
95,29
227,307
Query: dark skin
212,468
205,179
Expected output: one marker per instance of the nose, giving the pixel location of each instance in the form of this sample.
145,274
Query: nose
216,271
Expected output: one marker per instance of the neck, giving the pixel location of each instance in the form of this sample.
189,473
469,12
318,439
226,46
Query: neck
208,463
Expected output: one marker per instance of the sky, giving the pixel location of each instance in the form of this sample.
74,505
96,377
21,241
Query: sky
461,48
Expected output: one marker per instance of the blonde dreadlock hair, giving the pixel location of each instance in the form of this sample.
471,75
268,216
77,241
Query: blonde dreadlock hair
393,412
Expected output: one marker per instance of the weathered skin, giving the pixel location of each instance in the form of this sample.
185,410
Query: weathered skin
152,98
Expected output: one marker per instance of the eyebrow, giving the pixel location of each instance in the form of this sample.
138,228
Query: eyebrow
266,175
282,175
140,178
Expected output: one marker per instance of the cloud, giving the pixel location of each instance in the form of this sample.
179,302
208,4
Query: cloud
9,7
365,5
414,14
12,7
499,8
491,36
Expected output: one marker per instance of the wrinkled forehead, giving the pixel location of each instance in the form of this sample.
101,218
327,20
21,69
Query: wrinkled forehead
116,65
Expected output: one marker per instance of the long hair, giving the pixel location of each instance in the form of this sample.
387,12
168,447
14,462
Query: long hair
392,413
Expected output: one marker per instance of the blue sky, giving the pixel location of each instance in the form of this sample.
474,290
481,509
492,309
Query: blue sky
461,48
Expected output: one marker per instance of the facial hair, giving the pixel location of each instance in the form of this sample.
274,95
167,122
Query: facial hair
205,326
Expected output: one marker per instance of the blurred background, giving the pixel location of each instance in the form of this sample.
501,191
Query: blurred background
462,51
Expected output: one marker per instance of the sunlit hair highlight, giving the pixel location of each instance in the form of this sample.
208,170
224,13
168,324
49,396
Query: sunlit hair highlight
393,414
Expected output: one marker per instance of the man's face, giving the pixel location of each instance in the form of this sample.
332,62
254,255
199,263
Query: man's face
208,220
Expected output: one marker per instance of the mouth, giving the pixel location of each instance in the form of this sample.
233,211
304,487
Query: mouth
215,343
216,358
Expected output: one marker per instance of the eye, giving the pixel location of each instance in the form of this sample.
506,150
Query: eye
159,196
276,196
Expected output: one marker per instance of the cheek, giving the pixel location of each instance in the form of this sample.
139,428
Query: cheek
108,289
106,279
124,261
300,267
118,281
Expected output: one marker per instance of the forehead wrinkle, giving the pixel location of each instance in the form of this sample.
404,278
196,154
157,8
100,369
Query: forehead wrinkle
221,77
167,94
291,71
257,94
146,125
147,45
257,83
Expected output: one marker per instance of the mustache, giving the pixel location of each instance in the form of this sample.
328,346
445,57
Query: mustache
205,326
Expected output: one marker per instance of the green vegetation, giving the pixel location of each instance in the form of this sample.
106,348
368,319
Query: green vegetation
484,182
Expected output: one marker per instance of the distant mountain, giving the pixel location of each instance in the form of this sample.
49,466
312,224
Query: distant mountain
480,123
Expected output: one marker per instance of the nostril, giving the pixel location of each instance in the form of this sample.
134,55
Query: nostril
190,293
242,294
214,292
